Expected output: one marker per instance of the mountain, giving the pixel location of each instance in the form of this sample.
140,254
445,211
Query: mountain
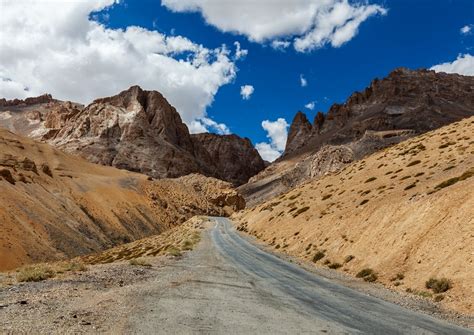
404,104
54,205
405,212
136,130
235,158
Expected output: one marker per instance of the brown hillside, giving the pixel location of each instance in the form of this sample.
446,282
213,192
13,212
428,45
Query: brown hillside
55,206
407,210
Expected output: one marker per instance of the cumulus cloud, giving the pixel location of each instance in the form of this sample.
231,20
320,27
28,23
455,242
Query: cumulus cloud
310,105
310,24
204,125
277,133
246,91
303,81
57,47
466,30
280,45
239,52
464,65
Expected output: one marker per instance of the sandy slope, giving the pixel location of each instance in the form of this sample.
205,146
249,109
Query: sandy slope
54,205
390,212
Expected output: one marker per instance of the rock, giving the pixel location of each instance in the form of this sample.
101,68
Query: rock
416,101
300,131
330,159
45,98
235,158
391,110
140,131
46,170
7,175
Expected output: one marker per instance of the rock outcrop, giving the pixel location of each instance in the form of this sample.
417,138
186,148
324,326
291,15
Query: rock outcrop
415,101
235,158
45,98
136,130
405,104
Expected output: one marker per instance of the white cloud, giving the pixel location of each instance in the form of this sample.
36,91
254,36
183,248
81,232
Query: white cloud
280,45
239,53
277,133
53,46
209,124
310,105
246,91
303,81
310,24
464,65
466,30
267,152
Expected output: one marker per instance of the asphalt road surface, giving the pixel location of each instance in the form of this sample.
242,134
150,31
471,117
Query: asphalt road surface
230,286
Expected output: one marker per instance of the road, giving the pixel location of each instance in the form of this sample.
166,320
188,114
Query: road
228,285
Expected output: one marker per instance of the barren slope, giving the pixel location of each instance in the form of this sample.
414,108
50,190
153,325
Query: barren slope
406,210
54,206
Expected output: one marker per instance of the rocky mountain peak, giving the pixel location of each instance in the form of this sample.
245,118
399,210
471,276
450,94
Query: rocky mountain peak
226,151
412,100
41,99
300,129
137,130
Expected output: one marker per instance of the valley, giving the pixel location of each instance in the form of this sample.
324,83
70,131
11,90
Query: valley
115,218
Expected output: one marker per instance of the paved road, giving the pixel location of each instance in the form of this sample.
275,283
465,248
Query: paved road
230,286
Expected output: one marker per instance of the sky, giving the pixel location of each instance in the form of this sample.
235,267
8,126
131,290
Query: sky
228,66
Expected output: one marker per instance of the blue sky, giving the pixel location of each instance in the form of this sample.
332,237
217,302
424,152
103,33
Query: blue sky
415,34
411,33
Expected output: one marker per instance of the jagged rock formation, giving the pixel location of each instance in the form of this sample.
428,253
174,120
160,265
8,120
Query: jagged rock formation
136,130
45,98
235,158
417,101
391,110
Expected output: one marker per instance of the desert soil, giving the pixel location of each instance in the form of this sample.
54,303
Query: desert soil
227,284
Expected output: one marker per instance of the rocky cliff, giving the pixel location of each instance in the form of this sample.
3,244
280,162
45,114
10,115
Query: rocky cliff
136,130
235,158
404,104
415,101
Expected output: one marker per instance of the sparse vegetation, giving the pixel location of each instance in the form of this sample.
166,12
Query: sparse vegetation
348,258
294,196
410,186
318,256
72,266
34,273
438,298
415,162
300,211
363,202
173,251
371,278
364,273
334,265
438,285
398,276
452,181
370,179
327,196
447,144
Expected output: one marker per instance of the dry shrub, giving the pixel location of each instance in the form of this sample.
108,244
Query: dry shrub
35,273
